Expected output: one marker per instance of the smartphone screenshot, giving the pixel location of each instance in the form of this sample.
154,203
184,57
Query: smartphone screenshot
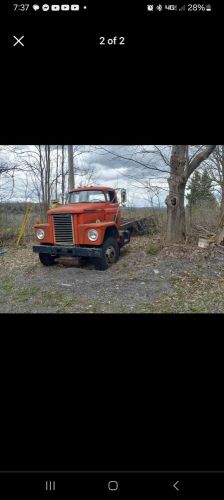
111,250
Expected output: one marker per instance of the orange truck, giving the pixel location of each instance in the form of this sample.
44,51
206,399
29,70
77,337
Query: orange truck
88,226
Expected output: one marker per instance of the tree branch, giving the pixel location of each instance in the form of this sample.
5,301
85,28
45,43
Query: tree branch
198,159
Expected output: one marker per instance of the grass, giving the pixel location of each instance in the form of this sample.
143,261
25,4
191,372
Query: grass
51,297
153,249
20,297
17,296
23,295
67,301
190,296
7,284
189,292
194,295
7,287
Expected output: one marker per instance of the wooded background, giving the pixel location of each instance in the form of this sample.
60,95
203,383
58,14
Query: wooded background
182,183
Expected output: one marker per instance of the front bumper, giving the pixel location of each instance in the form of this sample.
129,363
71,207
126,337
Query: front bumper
57,251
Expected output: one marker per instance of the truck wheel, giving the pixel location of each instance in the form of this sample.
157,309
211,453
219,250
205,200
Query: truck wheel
110,255
83,261
46,259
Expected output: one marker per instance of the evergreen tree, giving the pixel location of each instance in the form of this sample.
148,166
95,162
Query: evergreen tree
194,189
207,194
200,190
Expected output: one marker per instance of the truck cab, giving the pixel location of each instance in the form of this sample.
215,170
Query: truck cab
88,226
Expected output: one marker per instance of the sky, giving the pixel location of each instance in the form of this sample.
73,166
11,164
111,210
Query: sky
142,170
113,166
124,172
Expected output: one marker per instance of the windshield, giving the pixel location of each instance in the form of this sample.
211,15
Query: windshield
87,197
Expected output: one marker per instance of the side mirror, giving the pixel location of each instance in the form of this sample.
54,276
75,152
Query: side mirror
123,196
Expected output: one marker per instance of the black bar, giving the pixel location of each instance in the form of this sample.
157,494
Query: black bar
68,251
100,485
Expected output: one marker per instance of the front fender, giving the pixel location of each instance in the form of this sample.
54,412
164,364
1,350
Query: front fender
99,226
48,237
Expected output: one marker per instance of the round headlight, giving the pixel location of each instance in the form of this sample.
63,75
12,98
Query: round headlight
40,234
93,234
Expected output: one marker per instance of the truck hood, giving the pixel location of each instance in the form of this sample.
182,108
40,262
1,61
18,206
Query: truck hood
77,208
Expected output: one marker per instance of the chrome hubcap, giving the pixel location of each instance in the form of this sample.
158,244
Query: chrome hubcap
110,255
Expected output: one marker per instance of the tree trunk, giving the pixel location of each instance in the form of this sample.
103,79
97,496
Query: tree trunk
222,205
62,175
47,167
43,201
71,177
176,224
48,174
222,187
220,235
56,180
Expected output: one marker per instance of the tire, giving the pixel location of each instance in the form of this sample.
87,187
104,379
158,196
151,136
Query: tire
83,260
110,255
46,259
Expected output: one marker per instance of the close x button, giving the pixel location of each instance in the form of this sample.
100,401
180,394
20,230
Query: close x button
18,40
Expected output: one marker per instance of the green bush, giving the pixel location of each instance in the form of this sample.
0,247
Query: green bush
152,249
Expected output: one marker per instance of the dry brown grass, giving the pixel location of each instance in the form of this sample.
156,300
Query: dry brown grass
11,220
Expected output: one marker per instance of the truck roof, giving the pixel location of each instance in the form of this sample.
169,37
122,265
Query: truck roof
90,188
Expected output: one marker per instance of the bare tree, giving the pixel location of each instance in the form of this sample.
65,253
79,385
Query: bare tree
63,173
181,168
57,169
4,167
71,177
7,179
47,169
176,163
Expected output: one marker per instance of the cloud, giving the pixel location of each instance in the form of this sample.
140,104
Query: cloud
117,166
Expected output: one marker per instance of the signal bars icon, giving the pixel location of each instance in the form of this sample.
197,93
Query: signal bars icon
182,8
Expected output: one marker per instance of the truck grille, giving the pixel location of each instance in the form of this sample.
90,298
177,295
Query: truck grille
63,229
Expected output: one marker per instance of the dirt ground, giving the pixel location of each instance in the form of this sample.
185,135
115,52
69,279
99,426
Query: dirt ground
146,279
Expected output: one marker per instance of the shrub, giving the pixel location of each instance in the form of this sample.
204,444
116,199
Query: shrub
152,249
